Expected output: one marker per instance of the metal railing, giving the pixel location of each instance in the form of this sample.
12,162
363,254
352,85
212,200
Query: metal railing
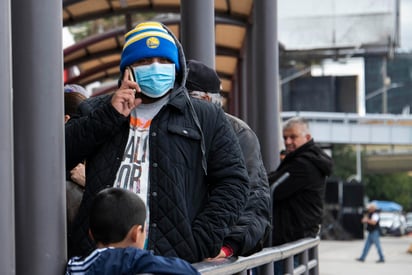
350,128
306,250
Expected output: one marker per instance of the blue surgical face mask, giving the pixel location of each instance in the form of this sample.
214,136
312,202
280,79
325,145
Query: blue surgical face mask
155,79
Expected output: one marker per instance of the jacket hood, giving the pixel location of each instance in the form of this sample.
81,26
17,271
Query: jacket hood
181,75
316,155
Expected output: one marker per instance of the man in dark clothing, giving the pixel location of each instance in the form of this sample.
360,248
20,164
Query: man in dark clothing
253,227
181,157
298,201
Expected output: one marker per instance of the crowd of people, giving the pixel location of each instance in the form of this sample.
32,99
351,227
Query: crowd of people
163,177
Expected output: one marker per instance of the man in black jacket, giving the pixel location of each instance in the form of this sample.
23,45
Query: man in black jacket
298,201
181,157
249,234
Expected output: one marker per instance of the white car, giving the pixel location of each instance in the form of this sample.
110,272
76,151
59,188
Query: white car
409,222
392,223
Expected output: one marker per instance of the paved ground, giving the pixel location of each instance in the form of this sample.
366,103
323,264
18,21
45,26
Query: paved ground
338,257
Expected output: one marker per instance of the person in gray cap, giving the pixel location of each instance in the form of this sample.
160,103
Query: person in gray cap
252,229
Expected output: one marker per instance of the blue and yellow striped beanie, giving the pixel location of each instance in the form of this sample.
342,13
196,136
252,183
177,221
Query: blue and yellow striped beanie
148,39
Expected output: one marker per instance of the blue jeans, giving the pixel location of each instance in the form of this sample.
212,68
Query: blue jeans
373,238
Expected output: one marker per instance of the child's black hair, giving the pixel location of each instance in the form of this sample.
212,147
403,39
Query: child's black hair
113,213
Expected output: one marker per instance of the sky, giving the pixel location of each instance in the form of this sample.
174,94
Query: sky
67,38
406,25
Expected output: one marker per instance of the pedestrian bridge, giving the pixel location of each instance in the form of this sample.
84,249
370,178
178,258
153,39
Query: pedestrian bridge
349,128
386,140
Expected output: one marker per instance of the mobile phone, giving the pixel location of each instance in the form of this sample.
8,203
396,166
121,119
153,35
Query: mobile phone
132,78
131,73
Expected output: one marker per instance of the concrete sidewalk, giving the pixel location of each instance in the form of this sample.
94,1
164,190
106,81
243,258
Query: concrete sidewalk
338,257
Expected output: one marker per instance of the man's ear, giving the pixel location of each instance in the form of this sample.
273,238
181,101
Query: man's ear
137,231
66,118
308,137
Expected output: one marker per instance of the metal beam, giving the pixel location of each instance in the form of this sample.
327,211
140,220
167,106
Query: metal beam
267,81
7,236
40,201
198,30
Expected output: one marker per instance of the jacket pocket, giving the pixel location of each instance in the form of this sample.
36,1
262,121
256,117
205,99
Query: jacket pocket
187,132
184,143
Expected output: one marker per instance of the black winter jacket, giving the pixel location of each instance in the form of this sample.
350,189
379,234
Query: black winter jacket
254,225
298,201
190,212
192,204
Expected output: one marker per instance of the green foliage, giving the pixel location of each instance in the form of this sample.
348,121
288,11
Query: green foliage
392,187
344,161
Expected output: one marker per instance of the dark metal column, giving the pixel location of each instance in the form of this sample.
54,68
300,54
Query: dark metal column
250,94
7,237
267,90
40,201
244,84
198,30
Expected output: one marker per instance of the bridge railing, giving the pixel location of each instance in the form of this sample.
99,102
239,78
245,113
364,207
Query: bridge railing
306,249
401,119
349,128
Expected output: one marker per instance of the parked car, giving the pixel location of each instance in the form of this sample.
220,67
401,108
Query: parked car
392,223
408,222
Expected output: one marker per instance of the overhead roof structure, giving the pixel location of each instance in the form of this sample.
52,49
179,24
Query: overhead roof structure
242,65
97,58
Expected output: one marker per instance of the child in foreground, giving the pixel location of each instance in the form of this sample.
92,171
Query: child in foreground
117,222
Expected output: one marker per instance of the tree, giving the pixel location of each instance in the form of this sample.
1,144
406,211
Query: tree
393,187
344,161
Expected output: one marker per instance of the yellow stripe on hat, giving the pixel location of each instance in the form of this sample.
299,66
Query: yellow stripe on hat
148,34
145,26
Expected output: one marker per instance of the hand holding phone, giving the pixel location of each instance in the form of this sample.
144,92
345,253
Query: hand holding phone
132,78
127,96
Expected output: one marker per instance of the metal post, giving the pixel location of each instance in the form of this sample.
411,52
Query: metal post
289,265
267,81
250,95
304,256
198,30
385,86
39,136
7,237
245,81
315,255
358,163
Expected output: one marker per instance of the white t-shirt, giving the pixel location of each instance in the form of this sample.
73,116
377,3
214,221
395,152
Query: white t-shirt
375,217
133,173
